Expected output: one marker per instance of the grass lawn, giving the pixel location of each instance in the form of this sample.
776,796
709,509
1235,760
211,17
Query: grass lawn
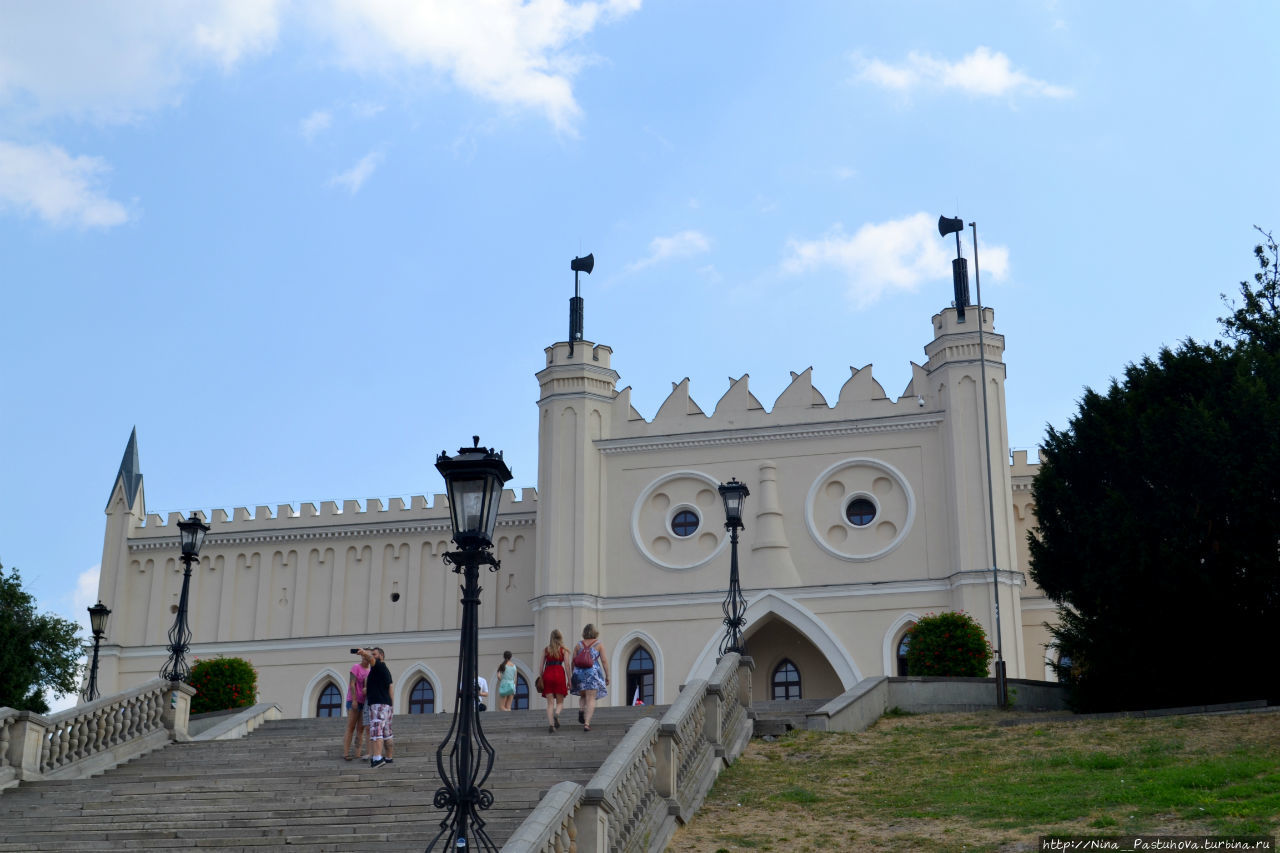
945,782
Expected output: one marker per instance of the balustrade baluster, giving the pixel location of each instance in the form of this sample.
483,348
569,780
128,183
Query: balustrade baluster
5,728
75,743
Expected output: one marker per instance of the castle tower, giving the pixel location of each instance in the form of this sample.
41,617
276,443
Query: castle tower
574,411
955,367
126,510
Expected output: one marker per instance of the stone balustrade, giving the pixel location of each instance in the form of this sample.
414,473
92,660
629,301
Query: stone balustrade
8,726
93,737
551,827
656,778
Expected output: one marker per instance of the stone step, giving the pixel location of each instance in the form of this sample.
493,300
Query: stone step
286,784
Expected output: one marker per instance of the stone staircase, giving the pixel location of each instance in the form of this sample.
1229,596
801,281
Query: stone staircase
776,717
287,786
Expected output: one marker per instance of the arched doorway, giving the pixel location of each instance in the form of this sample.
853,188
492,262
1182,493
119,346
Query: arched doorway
774,642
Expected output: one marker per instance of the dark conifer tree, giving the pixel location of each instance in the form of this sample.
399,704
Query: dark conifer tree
1159,522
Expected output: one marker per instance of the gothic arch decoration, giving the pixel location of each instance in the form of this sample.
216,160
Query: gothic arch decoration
671,495
318,682
799,617
859,481
891,638
1052,657
622,653
404,684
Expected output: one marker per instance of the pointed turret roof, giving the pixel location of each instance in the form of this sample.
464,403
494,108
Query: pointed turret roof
130,472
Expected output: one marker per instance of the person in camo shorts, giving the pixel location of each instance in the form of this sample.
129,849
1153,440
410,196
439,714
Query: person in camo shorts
378,691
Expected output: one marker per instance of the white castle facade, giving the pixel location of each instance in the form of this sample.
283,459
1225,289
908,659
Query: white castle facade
864,515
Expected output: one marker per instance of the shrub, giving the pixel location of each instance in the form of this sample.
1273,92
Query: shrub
223,684
948,644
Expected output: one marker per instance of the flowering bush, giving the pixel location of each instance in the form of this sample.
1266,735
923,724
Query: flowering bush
223,684
948,644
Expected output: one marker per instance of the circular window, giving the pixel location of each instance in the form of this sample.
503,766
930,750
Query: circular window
859,509
684,523
860,512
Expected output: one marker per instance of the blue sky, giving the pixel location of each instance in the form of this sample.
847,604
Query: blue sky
304,247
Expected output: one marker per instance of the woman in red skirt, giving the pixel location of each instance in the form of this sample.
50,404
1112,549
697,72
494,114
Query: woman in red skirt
555,678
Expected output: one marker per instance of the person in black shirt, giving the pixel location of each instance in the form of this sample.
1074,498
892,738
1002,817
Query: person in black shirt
378,691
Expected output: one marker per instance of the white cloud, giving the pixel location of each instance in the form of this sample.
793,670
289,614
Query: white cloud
114,61
512,52
231,30
680,245
353,179
983,73
85,595
59,188
117,61
994,261
318,121
884,257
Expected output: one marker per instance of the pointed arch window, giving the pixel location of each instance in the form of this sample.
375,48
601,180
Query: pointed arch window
903,645
521,702
786,681
639,677
422,698
329,703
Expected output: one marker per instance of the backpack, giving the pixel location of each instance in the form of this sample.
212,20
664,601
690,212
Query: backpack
583,659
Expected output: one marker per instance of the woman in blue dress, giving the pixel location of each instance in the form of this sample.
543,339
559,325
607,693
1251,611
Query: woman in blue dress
590,682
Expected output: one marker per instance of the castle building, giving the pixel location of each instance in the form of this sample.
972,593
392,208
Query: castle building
864,515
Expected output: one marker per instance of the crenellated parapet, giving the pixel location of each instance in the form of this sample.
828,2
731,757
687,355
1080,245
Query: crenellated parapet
860,406
958,342
307,521
1022,472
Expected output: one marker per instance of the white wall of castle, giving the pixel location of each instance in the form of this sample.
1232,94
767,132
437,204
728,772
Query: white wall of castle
293,589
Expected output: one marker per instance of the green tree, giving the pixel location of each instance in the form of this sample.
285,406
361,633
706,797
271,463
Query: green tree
1159,523
1255,323
948,644
36,651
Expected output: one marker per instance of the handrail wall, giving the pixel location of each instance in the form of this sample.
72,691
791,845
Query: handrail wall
92,737
655,779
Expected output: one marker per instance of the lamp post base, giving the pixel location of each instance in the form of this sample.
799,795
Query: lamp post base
1002,686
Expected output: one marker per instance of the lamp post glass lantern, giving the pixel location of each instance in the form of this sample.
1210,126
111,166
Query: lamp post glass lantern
734,495
191,532
98,614
473,480
191,535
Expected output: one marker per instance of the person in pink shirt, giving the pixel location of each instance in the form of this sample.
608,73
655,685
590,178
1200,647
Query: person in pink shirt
356,707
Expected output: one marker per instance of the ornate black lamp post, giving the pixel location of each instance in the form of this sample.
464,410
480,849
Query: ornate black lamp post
735,604
98,614
192,533
474,480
